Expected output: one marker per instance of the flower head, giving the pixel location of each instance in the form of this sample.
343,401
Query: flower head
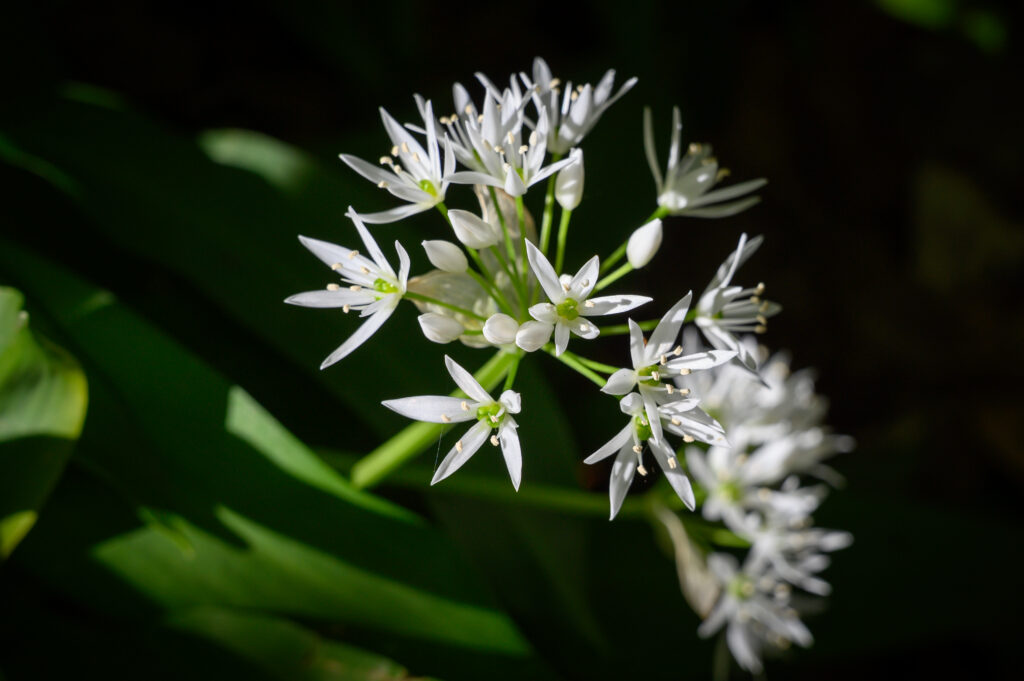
373,288
685,188
570,300
489,414
409,172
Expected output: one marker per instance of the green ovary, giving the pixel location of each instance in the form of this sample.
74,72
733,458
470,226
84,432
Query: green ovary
384,286
730,491
643,428
428,187
486,412
567,309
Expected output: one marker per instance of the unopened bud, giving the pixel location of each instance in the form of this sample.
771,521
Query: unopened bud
569,184
439,328
533,335
471,230
444,255
500,329
643,244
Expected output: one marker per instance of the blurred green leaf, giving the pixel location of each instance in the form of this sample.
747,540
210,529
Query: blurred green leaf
43,398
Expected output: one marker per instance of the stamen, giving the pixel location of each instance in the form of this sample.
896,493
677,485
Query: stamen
497,149
675,422
398,169
761,319
638,449
511,137
684,372
684,391
394,150
669,388
336,266
494,419
523,149
764,307
345,308
533,138
416,156
555,82
640,469
382,184
687,439
465,407
352,254
355,287
760,289
458,446
333,287
468,109
446,418
655,375
755,300
575,95
678,351
722,174
588,303
495,440
663,361
672,462
443,120
760,329
385,160
479,118
405,147
364,269
694,148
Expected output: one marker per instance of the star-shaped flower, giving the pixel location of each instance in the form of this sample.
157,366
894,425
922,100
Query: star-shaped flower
488,413
570,302
660,358
629,443
413,174
373,287
685,188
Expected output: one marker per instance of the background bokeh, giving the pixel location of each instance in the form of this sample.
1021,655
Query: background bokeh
170,153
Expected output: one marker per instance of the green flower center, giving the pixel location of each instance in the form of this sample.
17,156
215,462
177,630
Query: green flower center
428,187
741,588
646,375
643,428
384,286
567,309
730,491
485,413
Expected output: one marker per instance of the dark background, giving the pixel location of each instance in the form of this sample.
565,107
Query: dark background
891,137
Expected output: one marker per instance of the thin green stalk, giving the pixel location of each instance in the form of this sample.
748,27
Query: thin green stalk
549,211
493,291
622,329
504,228
570,361
508,272
444,211
523,267
614,276
617,254
510,377
596,366
563,233
434,301
412,440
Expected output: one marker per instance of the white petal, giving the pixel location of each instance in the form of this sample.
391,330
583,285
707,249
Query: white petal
500,329
544,312
631,404
730,192
474,177
371,244
569,183
643,244
469,444
585,280
621,478
445,256
674,474
432,408
723,210
471,230
371,172
620,383
613,304
650,151
466,382
509,439
403,266
663,339
584,328
439,328
561,338
339,298
610,447
545,273
512,401
738,638
533,335
361,335
651,408
701,360
637,345
394,214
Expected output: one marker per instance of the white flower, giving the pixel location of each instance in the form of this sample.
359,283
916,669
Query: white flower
445,256
725,310
643,244
579,109
569,301
532,335
660,358
684,189
501,329
792,552
472,230
628,442
569,183
755,610
480,407
373,287
416,177
440,329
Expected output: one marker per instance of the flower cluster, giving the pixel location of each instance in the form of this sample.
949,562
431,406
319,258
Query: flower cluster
724,415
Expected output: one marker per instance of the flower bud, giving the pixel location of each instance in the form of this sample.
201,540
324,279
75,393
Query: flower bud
500,329
643,244
440,329
569,184
471,230
533,335
446,256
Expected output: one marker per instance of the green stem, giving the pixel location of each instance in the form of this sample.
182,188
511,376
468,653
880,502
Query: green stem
444,211
508,272
614,276
596,366
549,211
568,359
510,377
617,254
523,267
563,233
504,228
493,291
411,440
434,301
622,329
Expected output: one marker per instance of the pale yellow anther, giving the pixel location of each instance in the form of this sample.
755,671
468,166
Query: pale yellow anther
760,329
694,148
386,160
533,138
352,254
480,118
675,421
638,449
416,156
710,160
336,266
641,470
687,438
761,319
468,109
355,287
394,150
755,300
555,82
684,391
511,137
759,290
722,174
497,149
458,446
589,303
494,419
575,95
346,308
405,147
579,88
464,405
672,462
333,287
585,283
678,351
764,307
495,440
655,375
446,418
663,361
684,372
523,149
382,184
669,388
364,269
443,120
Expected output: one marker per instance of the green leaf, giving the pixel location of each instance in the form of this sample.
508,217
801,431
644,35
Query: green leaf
43,397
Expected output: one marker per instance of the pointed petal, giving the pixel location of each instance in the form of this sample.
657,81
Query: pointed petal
474,177
509,439
664,337
432,408
650,151
361,335
403,266
636,345
701,360
610,447
474,438
620,383
371,244
561,338
674,474
723,210
371,172
584,328
613,304
585,280
726,193
651,408
339,298
471,230
394,214
466,382
621,478
545,274
544,312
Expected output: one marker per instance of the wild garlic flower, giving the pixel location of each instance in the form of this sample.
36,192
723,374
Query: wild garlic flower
794,553
570,301
656,362
572,113
724,310
489,414
628,446
373,288
755,611
408,172
685,188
